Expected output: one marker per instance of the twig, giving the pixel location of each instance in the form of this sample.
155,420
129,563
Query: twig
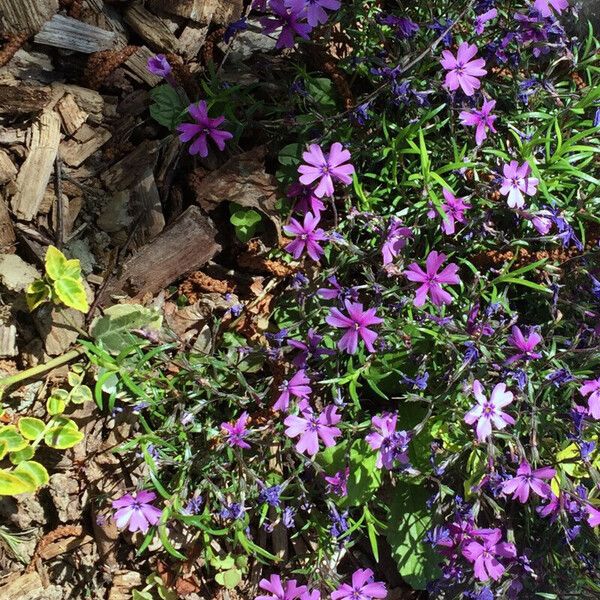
60,217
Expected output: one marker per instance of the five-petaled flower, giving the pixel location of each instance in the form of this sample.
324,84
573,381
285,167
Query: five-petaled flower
316,10
136,511
463,71
484,555
298,386
236,432
482,119
525,345
592,387
203,128
363,587
527,480
287,15
307,237
487,412
326,168
544,7
454,209
516,182
277,590
309,427
356,324
391,444
431,280
396,237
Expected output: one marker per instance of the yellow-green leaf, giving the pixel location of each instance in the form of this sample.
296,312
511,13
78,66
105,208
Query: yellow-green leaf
11,485
22,455
34,471
65,434
3,449
30,427
57,402
80,394
37,293
57,265
14,440
71,292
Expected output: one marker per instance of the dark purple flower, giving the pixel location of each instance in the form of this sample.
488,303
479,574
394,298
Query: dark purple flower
391,444
193,506
306,199
482,19
560,377
316,10
159,65
203,128
233,511
135,511
484,555
236,432
338,483
270,495
234,28
396,237
525,345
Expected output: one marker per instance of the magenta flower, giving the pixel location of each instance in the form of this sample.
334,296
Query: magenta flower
356,323
288,18
314,595
481,119
315,10
525,345
202,129
390,444
307,237
159,65
297,387
431,280
277,591
326,168
463,72
593,516
592,387
542,222
486,412
310,427
544,6
363,587
481,20
236,432
306,199
395,240
309,348
136,511
455,212
516,182
338,483
527,480
484,555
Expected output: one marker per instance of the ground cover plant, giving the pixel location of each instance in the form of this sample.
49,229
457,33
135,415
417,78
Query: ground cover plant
417,406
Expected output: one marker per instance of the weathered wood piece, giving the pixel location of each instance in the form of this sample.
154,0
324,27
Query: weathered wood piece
127,172
151,28
18,16
7,233
71,34
71,115
22,586
36,170
7,168
17,100
76,151
147,202
137,63
221,12
192,39
187,244
88,100
8,340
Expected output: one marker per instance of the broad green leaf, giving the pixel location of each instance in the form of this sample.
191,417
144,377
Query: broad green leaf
137,595
56,403
229,579
3,448
245,221
11,485
80,394
30,427
14,440
64,434
22,455
168,107
37,293
57,265
290,155
71,292
33,470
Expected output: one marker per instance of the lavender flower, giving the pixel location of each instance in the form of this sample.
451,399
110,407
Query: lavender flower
310,427
592,387
270,495
527,480
203,128
396,237
481,20
488,412
289,19
326,168
159,65
298,386
525,345
481,119
463,72
277,590
316,10
363,587
516,182
338,483
135,511
454,209
307,237
236,432
544,7
391,444
431,280
356,324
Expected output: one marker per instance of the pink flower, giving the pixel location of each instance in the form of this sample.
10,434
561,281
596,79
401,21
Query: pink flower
517,182
527,480
592,387
484,555
314,595
297,387
524,344
307,201
543,6
462,71
315,10
542,222
236,432
395,240
363,587
202,129
486,412
288,18
356,324
481,20
431,280
593,516
326,168
310,427
455,212
277,591
391,444
136,511
482,119
307,237
338,483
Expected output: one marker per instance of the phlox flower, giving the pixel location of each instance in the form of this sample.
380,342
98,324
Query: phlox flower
307,237
431,280
338,483
482,119
455,212
236,432
592,387
316,10
159,65
362,588
396,237
593,516
326,168
527,480
298,386
309,427
481,20
203,128
287,15
544,7
516,182
484,555
356,324
309,348
136,511
525,345
390,444
463,71
306,199
278,591
487,412
542,221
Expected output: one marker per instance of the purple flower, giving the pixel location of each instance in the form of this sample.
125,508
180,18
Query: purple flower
277,591
390,444
593,516
270,495
307,237
525,345
356,324
516,182
234,28
315,10
288,18
405,27
431,280
297,387
527,480
236,432
544,6
542,222
481,119
202,129
463,72
395,241
310,427
234,511
363,587
481,20
486,412
484,555
136,511
326,168
455,212
314,595
338,483
306,199
159,65
308,348
592,387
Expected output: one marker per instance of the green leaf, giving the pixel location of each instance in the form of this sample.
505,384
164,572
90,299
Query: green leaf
365,477
25,477
37,293
229,579
168,107
71,292
322,91
245,221
13,439
80,394
30,427
3,448
137,595
289,156
57,265
64,434
57,402
22,455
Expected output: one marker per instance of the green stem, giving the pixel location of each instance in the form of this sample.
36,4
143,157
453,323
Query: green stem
8,382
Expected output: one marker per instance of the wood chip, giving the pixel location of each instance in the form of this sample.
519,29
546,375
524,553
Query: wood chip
127,172
192,39
8,340
151,28
71,34
87,100
18,100
18,16
221,12
147,203
122,584
74,152
36,170
71,115
7,233
20,587
8,170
